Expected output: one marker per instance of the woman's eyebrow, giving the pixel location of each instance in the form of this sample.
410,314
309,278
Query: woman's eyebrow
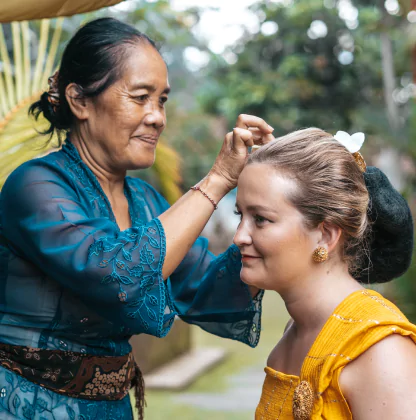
256,207
260,207
148,87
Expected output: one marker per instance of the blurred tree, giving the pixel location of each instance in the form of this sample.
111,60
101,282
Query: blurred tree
292,78
407,96
318,68
340,65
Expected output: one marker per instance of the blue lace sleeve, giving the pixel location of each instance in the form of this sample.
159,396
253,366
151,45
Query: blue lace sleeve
118,274
207,290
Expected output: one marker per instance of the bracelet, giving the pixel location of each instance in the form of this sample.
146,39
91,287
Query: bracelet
196,188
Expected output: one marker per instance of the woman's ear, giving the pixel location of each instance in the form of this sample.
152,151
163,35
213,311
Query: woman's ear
77,103
331,235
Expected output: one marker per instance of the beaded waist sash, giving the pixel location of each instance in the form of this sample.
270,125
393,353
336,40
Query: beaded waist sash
76,375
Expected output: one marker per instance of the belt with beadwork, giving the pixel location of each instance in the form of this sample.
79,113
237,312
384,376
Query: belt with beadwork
76,375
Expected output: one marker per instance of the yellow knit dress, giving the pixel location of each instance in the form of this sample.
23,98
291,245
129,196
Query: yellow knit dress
361,320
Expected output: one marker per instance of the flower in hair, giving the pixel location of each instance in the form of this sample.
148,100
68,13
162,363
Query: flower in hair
353,144
53,92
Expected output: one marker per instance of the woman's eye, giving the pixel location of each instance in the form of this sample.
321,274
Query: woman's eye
142,97
259,219
237,213
163,99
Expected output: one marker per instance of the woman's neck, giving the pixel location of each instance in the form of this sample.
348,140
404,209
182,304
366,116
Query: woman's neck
111,182
312,302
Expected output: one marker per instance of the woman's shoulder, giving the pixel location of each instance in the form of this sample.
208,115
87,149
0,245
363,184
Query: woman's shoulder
384,329
392,354
361,321
364,348
46,168
382,374
367,306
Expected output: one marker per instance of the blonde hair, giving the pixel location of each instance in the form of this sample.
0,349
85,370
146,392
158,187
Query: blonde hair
330,186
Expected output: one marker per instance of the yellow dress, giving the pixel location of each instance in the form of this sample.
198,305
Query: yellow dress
361,320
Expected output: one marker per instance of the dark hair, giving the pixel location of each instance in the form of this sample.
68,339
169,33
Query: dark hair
375,219
93,60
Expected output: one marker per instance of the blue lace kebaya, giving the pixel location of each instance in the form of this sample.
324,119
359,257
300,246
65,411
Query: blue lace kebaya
71,280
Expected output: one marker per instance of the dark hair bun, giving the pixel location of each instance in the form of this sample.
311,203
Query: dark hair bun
47,109
391,243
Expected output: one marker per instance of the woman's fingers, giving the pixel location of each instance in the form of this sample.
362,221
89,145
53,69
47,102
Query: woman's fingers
268,138
249,130
242,137
246,121
259,137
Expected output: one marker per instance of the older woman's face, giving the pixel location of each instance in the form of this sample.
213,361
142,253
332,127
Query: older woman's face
126,120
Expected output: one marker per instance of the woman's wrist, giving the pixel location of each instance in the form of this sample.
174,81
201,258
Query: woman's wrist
214,186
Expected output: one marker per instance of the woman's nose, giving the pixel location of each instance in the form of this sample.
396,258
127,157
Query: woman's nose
155,116
242,236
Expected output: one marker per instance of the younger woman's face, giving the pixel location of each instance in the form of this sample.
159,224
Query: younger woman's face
275,244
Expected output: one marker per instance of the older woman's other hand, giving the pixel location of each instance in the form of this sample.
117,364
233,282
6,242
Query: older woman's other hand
249,131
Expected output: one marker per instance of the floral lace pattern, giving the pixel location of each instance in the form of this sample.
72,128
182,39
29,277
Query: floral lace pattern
131,257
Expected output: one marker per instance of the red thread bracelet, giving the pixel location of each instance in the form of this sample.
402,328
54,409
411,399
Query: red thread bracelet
196,188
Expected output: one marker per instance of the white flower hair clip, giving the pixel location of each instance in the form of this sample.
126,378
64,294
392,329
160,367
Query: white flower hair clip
353,144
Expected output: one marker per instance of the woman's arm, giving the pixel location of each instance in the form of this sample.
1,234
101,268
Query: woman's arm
207,290
381,383
185,220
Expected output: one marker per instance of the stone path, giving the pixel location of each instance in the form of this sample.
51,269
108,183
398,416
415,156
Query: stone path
243,393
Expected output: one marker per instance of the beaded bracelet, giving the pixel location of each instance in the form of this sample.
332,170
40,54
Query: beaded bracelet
196,188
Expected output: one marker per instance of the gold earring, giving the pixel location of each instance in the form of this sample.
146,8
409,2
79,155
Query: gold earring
320,254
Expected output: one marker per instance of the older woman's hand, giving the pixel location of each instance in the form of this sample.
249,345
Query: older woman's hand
249,131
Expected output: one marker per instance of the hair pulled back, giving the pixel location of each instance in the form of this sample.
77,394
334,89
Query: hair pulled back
331,188
93,60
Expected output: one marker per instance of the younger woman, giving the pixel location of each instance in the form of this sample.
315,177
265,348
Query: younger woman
316,225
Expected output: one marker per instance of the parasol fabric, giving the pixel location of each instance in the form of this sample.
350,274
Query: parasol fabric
18,10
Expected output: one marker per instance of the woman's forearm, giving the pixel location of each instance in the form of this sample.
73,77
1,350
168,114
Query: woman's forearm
185,220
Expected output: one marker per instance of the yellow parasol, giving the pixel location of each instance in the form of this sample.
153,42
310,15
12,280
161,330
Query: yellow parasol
18,10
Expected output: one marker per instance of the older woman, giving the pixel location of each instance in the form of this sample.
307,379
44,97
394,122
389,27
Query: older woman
89,256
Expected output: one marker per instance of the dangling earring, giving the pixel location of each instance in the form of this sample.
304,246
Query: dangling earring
320,254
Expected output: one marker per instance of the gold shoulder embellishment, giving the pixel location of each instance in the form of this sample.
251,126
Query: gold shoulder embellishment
303,401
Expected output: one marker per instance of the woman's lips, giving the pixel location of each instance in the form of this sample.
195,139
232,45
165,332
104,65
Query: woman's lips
246,258
148,139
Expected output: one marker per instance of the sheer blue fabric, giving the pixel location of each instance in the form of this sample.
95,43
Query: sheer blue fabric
71,280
